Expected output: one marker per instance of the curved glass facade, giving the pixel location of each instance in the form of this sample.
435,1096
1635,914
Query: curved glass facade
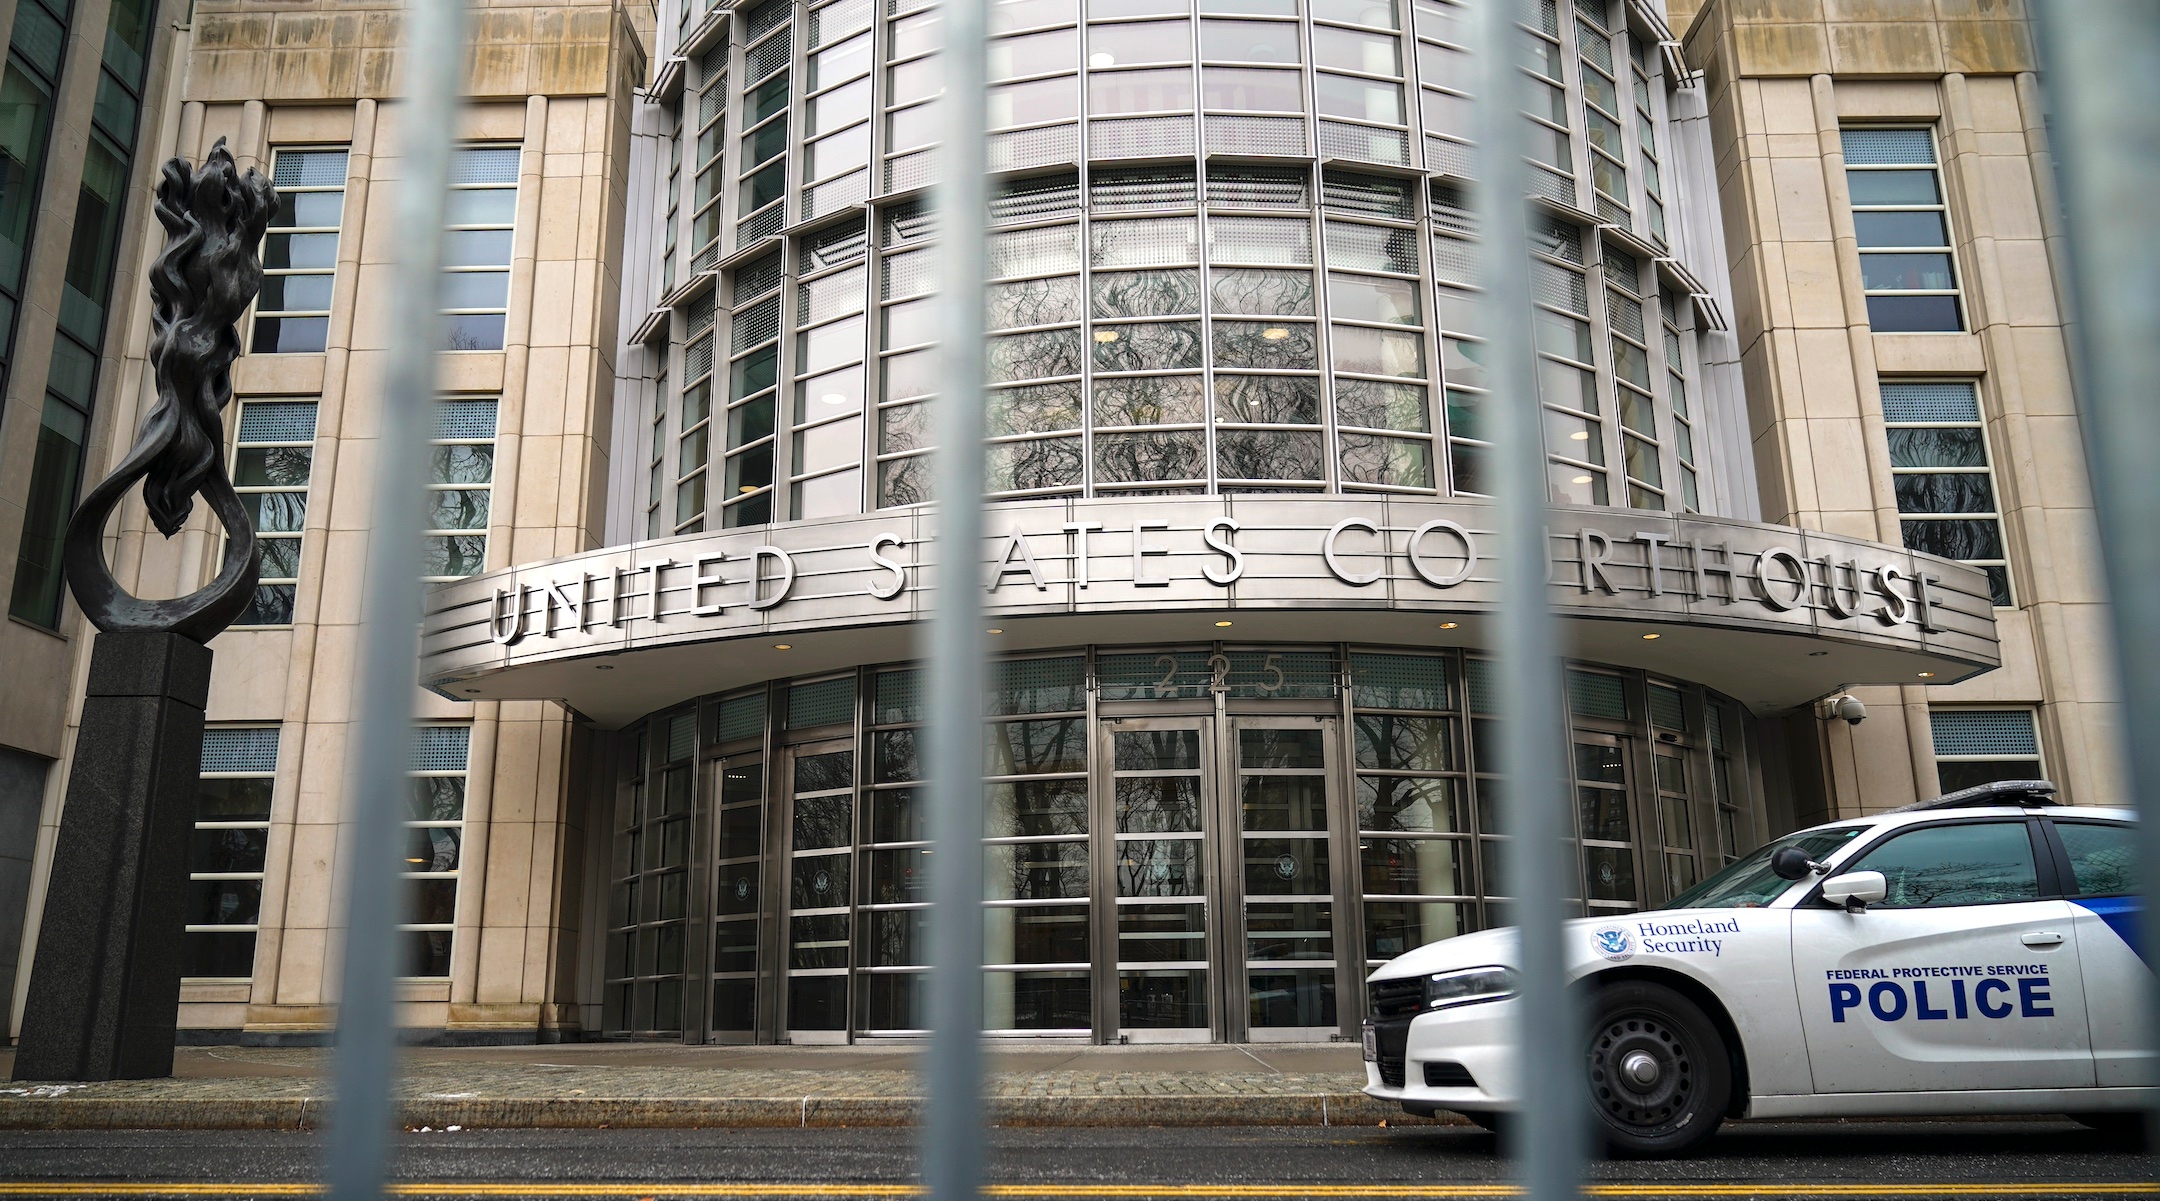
1230,248
1183,842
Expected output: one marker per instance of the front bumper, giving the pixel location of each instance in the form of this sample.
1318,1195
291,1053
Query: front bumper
1435,1050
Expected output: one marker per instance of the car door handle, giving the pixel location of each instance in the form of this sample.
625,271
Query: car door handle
2042,938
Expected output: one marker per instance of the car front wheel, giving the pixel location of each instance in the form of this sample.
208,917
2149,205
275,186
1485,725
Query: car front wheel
1658,1074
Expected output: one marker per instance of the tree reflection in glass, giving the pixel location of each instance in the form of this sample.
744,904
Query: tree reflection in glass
1258,292
1146,293
1149,400
1268,399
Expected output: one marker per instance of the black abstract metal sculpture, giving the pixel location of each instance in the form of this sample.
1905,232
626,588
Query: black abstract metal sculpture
105,986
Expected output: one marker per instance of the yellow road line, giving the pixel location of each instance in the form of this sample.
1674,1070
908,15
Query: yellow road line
654,1189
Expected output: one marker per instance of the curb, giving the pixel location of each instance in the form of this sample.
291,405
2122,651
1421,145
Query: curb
592,1113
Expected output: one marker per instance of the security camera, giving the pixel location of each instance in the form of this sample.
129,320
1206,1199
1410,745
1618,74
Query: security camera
1849,708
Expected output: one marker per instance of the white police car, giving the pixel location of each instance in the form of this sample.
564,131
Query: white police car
1972,954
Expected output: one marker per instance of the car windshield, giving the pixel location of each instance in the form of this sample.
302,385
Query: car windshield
1749,883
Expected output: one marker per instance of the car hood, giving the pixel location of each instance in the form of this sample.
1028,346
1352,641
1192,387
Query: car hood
1681,938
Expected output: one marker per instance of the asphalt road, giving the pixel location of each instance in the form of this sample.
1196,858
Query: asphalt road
1993,1158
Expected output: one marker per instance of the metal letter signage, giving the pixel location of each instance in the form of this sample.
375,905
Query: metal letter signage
1327,552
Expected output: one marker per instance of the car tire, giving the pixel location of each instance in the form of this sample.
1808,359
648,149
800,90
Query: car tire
1657,1071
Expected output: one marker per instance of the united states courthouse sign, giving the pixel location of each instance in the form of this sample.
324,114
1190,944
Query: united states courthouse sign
1257,559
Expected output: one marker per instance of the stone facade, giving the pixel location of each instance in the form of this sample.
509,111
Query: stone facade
1781,80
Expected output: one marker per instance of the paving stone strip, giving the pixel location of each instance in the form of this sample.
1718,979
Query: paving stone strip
526,1095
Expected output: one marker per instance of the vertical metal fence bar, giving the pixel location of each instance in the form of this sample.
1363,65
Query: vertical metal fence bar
360,1143
2103,83
1545,1139
953,1129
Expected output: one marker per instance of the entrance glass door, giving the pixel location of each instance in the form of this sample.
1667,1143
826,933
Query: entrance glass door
1283,982
1159,797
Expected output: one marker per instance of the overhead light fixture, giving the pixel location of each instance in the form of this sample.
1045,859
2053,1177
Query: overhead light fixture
1652,637
994,630
1449,625
1927,675
603,667
1099,60
1221,625
1817,654
1106,335
1275,333
783,646
472,692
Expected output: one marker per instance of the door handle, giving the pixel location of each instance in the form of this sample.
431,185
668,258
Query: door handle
2042,938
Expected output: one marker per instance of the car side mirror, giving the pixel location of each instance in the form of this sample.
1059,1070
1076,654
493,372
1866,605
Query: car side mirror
1792,863
1856,890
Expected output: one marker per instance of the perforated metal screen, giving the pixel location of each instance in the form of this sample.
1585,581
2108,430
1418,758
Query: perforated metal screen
441,748
248,749
277,421
1994,732
1888,147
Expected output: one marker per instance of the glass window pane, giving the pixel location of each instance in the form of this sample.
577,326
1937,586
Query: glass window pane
1970,864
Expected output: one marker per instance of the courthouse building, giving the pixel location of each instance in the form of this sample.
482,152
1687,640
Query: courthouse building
1804,382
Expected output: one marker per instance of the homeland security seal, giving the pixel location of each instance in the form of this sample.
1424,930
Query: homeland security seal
1613,942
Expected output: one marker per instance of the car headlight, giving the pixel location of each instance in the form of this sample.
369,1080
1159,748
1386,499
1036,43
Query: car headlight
1469,986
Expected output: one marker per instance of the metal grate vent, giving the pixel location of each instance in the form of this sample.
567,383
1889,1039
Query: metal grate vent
252,749
1613,212
1034,686
697,359
1364,143
1110,191
835,21
753,280
762,225
1482,681
713,66
277,421
1259,190
1038,196
1228,134
1141,137
909,275
1625,314
1153,241
1888,147
896,696
841,244
465,420
441,748
1593,695
741,717
1262,241
1365,195
701,314
1930,403
759,323
1035,251
681,736
768,57
767,17
1041,147
1372,248
1666,711
908,224
1400,682
1984,732
485,164
309,169
821,703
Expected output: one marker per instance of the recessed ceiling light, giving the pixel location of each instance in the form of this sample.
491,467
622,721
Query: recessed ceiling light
1275,333
1652,637
603,667
994,630
1817,654
472,692
1221,625
1106,335
1927,675
1449,625
783,646
1100,59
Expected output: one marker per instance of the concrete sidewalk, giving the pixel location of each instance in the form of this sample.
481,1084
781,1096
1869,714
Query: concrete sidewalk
588,1085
